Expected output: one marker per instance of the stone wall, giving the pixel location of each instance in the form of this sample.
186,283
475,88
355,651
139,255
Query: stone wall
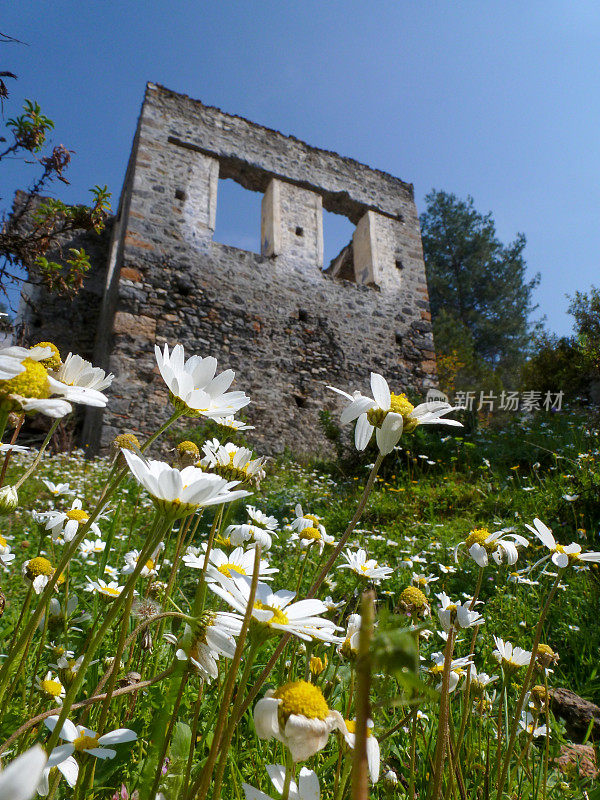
286,327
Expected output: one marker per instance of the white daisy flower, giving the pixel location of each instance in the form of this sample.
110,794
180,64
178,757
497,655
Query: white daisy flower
562,555
527,724
6,556
458,668
297,714
79,376
349,646
233,424
112,572
65,524
389,415
501,546
83,740
57,489
30,388
423,582
149,569
307,787
212,637
91,546
276,611
250,535
510,657
303,520
262,520
110,590
359,564
232,462
456,615
13,448
51,687
373,756
38,571
193,385
19,780
180,492
238,562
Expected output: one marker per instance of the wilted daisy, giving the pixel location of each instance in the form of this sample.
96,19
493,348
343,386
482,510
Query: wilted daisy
19,780
193,387
510,657
83,740
209,638
307,787
276,611
149,568
456,615
501,546
363,567
389,415
562,555
297,714
373,756
238,562
51,687
233,463
349,645
65,524
100,587
423,582
414,602
458,668
180,493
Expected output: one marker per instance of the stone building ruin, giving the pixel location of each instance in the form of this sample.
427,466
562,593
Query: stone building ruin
287,326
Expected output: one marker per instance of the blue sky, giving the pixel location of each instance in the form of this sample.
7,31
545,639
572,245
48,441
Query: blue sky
496,100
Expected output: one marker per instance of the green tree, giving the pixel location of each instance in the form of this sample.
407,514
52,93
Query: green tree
478,286
585,307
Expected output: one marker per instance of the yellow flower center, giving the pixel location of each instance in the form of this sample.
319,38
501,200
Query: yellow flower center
53,688
227,569
312,518
303,698
54,361
412,596
310,533
399,405
278,616
78,514
126,441
189,448
84,742
317,665
2,541
110,590
545,650
33,382
351,725
479,536
39,566
150,564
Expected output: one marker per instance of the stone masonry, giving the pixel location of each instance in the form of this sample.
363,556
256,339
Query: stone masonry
286,326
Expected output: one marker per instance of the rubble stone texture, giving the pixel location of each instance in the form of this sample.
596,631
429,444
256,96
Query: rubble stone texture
286,326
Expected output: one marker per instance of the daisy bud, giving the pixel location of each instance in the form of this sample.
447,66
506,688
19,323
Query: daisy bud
546,656
414,603
9,500
391,778
317,665
124,441
188,455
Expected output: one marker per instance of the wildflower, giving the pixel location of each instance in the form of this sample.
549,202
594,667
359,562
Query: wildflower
149,568
192,385
457,615
510,657
311,536
480,680
51,687
545,656
66,523
30,388
358,563
480,544
389,415
303,521
317,665
38,571
233,424
188,454
6,557
414,603
297,714
458,668
527,724
233,463
249,534
19,780
180,493
261,520
209,638
90,546
373,757
220,564
100,587
423,582
83,740
57,489
68,767
80,381
275,611
562,555
307,787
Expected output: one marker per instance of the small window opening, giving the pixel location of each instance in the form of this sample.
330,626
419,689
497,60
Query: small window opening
399,264
299,231
300,400
303,315
179,194
238,216
337,234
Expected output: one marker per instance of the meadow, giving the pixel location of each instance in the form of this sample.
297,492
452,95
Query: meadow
389,622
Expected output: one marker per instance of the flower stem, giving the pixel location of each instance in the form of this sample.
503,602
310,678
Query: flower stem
38,458
360,766
443,718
